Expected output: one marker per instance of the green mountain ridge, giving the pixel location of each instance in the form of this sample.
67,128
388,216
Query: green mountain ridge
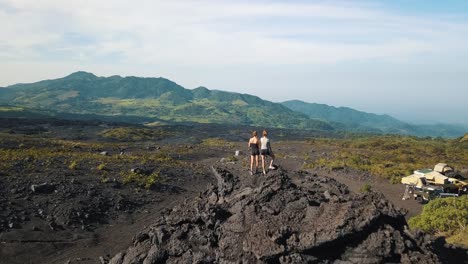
137,99
349,119
343,115
157,98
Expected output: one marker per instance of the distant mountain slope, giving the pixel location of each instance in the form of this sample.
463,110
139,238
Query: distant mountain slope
344,115
353,120
158,98
83,95
7,111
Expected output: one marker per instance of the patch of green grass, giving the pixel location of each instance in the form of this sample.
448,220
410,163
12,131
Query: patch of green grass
10,108
40,155
146,181
128,103
365,188
231,159
105,179
239,102
133,134
73,165
102,166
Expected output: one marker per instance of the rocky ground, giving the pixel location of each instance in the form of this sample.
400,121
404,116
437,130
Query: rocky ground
61,196
53,212
284,217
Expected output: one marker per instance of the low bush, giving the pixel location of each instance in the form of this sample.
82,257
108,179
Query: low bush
102,166
365,188
73,165
146,181
448,217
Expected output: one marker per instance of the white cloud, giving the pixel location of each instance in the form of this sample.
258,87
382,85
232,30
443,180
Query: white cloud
278,50
219,32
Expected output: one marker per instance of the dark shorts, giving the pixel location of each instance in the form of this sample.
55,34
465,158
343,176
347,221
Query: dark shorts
255,152
266,152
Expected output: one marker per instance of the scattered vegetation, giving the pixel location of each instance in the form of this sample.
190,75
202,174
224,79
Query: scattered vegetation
142,180
4,108
133,134
35,154
389,157
447,217
217,142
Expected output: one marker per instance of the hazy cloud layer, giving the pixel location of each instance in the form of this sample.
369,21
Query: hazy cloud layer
319,51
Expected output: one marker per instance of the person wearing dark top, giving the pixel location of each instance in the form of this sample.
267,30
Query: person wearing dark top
254,145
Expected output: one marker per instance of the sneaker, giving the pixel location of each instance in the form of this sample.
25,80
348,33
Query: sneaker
251,173
272,168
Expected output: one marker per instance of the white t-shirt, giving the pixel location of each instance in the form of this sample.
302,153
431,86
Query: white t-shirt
264,142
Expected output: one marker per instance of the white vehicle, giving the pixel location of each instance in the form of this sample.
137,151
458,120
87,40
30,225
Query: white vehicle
436,179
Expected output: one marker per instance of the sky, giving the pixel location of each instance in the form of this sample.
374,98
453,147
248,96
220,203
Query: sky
406,58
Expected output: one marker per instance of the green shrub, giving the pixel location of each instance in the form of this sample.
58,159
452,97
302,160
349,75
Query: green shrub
365,188
395,180
231,159
448,216
73,165
146,181
151,180
105,180
102,166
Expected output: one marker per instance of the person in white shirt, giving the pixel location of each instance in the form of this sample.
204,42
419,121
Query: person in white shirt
265,150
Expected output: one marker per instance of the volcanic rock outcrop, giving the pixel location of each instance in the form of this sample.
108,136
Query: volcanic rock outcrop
281,218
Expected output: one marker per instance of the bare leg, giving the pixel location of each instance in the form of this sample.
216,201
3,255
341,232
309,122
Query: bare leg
272,159
251,163
256,168
263,164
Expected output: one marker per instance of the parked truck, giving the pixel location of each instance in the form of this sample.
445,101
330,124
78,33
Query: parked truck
421,194
445,176
416,187
427,184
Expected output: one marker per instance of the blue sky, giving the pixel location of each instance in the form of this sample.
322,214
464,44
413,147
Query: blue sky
404,58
